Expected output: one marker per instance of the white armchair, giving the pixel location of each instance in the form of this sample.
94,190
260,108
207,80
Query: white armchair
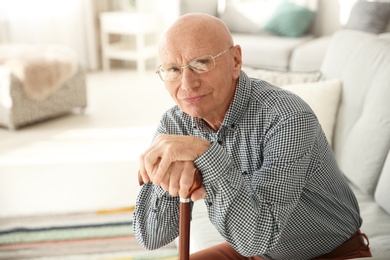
34,93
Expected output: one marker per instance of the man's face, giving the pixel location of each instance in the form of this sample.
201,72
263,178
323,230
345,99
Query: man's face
207,95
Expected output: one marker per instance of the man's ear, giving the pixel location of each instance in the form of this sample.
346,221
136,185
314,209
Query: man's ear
237,61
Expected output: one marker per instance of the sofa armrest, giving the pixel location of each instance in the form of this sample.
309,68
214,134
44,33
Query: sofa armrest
309,55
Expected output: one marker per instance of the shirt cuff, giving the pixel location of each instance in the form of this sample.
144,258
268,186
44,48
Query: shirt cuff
213,163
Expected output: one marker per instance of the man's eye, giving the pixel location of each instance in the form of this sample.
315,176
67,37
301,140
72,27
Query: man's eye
172,69
201,61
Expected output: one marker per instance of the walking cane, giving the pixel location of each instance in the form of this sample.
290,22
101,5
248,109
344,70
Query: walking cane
185,217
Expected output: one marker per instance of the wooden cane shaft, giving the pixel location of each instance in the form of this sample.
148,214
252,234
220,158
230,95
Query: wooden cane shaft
185,219
184,231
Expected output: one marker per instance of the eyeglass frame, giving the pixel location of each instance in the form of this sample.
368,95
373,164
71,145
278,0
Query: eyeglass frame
213,57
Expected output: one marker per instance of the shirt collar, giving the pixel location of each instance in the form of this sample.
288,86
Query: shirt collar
237,107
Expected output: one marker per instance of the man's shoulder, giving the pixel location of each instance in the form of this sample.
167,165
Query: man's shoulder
279,100
265,93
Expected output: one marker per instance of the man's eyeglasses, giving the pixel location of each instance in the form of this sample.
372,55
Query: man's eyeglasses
199,65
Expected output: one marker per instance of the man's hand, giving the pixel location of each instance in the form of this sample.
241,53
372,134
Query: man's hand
180,178
166,149
169,164
179,181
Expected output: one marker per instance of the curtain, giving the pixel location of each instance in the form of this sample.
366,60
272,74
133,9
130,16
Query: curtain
70,23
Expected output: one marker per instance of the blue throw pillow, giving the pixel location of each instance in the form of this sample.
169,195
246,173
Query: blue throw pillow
290,20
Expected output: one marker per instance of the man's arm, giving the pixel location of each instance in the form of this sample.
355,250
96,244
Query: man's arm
251,209
156,215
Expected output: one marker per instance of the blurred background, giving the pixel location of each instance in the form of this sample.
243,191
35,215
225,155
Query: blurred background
88,160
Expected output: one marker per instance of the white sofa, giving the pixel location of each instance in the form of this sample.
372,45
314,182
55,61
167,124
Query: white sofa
247,21
361,135
262,49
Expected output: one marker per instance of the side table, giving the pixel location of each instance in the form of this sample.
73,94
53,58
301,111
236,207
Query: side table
137,25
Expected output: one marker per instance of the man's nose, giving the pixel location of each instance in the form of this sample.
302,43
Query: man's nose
188,79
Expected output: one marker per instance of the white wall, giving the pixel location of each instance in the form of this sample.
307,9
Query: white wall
73,23
68,23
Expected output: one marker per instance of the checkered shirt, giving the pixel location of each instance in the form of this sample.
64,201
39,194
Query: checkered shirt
273,186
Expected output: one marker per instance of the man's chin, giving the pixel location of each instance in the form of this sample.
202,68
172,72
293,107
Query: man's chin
192,112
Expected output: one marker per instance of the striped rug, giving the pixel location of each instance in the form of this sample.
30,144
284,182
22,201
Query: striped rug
84,236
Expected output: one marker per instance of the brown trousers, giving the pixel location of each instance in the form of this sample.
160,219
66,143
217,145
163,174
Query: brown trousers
354,247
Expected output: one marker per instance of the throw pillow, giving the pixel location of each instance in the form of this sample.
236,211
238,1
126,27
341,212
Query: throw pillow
290,20
247,16
280,78
369,16
323,97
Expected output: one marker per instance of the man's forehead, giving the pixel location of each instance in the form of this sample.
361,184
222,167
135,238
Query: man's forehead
176,55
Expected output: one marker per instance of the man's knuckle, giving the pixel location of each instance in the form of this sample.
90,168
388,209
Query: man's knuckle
174,186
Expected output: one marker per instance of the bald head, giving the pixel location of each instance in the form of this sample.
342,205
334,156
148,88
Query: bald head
198,31
200,49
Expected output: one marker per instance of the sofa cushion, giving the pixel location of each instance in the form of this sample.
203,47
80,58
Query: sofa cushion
369,16
290,20
382,193
281,78
267,51
250,16
322,96
362,134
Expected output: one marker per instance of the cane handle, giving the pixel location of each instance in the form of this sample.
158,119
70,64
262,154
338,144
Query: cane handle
195,185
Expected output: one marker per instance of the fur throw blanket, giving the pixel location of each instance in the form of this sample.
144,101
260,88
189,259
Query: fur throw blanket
42,69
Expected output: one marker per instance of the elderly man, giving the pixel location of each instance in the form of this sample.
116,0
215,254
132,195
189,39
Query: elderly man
271,184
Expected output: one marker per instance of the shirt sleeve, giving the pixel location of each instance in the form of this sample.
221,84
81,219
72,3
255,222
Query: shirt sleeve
251,209
156,215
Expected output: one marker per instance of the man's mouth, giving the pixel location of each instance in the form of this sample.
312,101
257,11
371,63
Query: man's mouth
192,100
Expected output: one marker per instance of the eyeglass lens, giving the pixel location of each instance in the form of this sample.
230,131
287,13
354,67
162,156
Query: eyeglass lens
198,65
